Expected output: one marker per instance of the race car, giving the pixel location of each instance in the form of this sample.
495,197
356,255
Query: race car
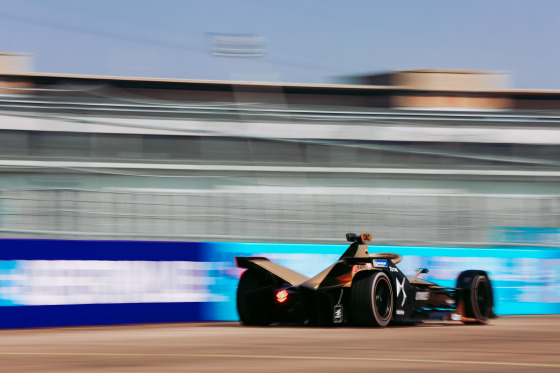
359,289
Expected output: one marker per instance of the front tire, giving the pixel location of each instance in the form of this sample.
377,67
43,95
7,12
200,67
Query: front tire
371,299
254,298
478,300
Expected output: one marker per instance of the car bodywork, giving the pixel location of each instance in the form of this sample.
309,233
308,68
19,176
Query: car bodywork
360,288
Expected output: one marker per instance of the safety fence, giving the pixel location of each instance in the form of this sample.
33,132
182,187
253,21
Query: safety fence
77,282
275,214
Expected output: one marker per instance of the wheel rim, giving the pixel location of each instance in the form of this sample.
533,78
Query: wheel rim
383,299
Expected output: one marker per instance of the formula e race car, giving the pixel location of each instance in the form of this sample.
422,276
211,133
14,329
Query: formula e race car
360,289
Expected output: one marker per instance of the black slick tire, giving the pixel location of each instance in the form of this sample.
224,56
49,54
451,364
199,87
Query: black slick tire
478,300
371,299
254,298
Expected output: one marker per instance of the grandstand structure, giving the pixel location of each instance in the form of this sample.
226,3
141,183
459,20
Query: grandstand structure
419,157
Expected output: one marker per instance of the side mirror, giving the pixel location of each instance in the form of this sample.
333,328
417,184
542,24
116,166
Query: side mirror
422,271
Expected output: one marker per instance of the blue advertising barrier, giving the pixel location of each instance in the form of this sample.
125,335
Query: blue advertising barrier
70,282
66,282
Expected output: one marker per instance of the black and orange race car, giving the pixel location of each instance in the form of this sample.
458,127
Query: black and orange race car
360,288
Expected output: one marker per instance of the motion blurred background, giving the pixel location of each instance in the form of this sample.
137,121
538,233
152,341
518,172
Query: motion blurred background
425,123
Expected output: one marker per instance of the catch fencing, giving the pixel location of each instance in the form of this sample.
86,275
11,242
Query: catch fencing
296,215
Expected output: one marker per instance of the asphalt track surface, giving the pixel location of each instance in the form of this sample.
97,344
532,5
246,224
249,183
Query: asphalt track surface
508,344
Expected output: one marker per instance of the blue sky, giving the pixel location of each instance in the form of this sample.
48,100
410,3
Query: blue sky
312,41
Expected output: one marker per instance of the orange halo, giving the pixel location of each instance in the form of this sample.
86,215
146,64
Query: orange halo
282,296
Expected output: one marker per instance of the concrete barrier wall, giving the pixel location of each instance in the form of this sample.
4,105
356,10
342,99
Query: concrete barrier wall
68,282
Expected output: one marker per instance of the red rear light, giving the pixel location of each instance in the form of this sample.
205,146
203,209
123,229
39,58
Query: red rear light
282,296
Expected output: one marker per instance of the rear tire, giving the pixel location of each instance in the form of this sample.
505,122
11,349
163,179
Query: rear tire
478,300
254,298
371,297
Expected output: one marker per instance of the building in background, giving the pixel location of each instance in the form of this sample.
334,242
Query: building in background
416,157
444,89
15,62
